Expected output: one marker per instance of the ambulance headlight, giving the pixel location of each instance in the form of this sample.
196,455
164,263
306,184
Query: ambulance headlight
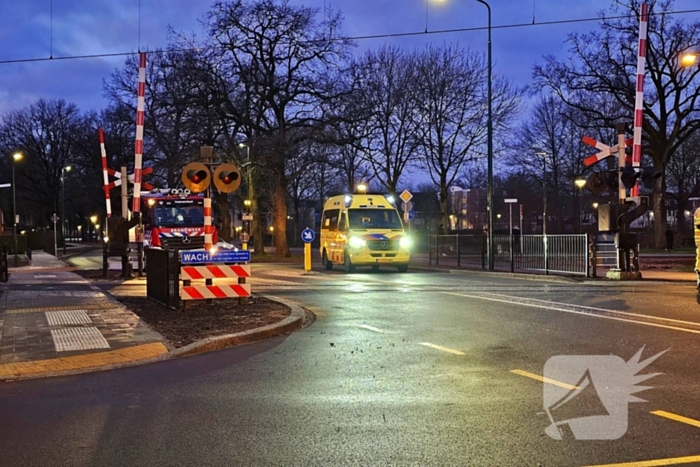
356,242
405,243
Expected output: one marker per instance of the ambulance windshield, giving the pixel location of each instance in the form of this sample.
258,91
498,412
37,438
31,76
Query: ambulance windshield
374,219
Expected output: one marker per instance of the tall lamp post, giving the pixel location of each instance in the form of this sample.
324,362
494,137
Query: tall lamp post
248,201
544,191
15,158
93,219
489,142
63,205
580,183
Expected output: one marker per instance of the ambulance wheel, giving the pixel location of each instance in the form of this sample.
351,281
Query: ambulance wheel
402,268
349,267
326,264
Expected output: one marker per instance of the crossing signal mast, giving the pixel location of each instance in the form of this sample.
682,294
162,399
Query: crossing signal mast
197,177
617,217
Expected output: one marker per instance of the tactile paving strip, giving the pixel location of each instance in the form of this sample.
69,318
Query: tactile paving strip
67,317
88,338
98,306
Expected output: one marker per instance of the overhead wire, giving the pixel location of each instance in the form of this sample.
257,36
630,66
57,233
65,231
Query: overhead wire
353,38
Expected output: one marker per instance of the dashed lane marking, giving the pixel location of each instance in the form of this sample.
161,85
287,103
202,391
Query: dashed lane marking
444,349
653,463
677,418
544,379
371,328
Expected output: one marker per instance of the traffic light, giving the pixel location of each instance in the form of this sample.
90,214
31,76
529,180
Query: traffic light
227,178
599,182
649,176
629,176
196,177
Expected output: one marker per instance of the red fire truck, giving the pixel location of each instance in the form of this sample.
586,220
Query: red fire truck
175,215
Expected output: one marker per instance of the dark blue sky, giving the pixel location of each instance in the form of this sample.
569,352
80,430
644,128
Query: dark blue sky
83,27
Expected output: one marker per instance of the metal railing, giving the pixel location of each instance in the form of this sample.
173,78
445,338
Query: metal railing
566,254
4,266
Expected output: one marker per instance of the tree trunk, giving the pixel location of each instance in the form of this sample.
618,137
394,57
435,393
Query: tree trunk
280,205
659,212
443,211
257,229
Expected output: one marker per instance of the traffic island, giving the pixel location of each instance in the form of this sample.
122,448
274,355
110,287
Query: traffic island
203,321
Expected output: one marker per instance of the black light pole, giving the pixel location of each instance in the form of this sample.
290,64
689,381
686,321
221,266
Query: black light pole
15,157
489,144
63,206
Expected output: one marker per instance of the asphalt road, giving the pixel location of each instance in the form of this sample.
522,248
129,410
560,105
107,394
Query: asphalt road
421,368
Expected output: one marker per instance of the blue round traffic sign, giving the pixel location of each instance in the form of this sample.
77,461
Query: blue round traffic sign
411,214
308,235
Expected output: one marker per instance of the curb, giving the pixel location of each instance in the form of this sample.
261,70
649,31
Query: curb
289,324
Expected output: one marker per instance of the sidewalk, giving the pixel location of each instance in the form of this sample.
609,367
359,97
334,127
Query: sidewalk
53,321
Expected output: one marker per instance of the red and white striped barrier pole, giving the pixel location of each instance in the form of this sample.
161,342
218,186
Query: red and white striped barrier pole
207,223
105,174
138,156
639,97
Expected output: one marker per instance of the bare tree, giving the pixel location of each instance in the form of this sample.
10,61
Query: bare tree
277,58
386,89
603,65
46,132
451,96
683,179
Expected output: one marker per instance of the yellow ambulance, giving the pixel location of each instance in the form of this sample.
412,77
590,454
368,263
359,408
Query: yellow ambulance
363,230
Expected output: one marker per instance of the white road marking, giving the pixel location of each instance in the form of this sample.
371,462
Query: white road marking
444,349
370,328
551,306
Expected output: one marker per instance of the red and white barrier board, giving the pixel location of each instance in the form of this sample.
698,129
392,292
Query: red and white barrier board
201,292
217,271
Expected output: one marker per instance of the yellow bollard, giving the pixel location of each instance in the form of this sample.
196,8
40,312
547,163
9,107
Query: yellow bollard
696,229
307,257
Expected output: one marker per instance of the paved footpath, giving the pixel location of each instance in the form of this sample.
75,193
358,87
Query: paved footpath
54,321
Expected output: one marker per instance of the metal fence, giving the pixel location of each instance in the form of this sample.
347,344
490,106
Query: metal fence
4,266
567,254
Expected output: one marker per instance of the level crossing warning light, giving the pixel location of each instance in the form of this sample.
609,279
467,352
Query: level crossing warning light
196,177
227,178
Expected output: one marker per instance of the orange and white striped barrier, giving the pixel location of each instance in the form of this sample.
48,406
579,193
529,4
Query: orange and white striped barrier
202,292
218,271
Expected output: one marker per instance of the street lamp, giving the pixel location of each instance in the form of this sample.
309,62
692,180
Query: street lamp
63,205
15,158
544,190
580,183
689,59
248,202
489,141
93,219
